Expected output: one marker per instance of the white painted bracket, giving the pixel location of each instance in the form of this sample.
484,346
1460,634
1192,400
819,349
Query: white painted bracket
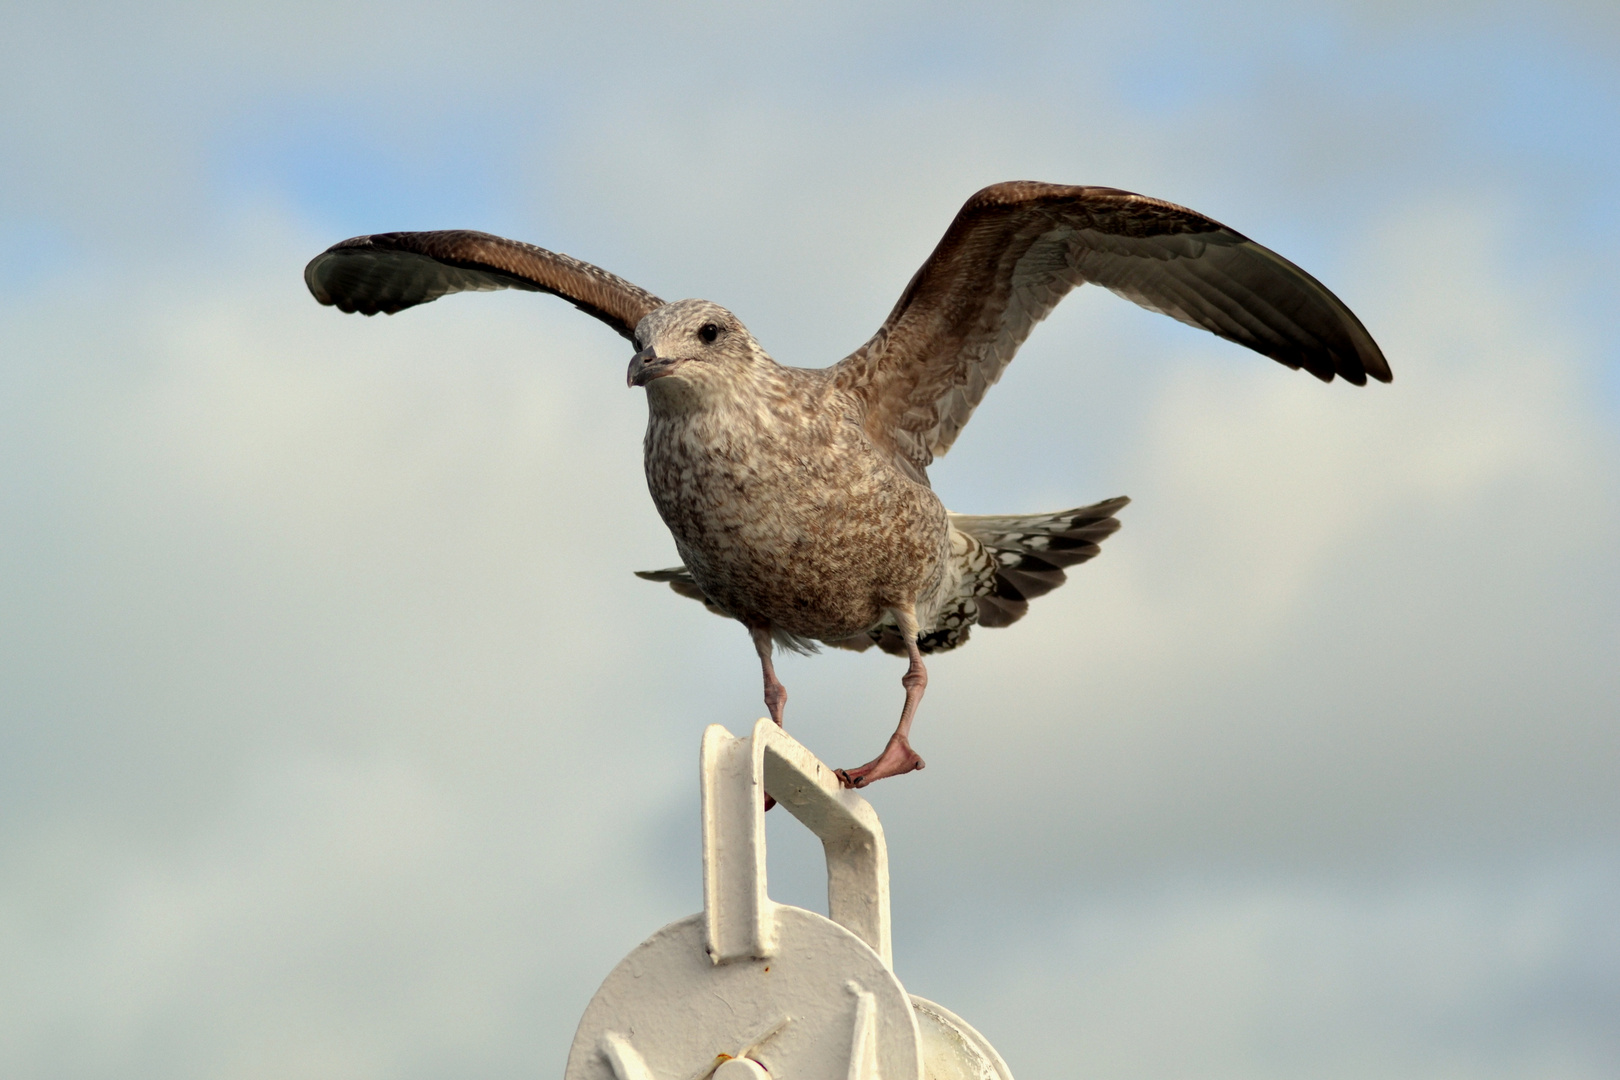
623,1058
737,774
863,1055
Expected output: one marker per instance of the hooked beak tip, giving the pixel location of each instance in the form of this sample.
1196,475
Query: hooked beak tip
646,366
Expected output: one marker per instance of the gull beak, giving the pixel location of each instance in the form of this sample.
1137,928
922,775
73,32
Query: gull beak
646,366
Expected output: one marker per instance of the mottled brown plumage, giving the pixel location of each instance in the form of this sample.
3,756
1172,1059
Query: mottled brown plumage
799,498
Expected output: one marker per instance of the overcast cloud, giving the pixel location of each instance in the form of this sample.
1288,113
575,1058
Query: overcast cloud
337,739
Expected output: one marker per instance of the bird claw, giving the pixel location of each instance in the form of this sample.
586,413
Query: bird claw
898,757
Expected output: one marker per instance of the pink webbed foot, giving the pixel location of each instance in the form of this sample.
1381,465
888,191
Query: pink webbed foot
897,757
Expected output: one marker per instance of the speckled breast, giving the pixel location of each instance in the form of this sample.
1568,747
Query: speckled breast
818,537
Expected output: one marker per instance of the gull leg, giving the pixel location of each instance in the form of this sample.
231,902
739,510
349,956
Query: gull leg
898,756
775,692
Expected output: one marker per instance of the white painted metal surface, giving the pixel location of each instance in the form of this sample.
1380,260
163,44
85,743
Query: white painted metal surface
737,773
952,1049
754,990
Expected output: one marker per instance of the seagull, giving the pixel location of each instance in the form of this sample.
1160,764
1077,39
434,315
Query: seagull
799,497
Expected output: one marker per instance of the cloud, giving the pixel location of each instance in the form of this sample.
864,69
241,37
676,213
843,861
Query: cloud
1425,975
340,740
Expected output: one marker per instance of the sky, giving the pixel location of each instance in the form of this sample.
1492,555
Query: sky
337,738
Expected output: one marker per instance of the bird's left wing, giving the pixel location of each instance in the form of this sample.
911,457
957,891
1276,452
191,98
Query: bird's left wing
1016,249
389,272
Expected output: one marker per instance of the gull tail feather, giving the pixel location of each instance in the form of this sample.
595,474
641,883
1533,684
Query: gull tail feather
1030,553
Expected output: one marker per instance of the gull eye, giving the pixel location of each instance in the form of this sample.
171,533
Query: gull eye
708,332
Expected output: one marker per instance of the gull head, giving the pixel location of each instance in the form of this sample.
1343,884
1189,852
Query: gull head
694,349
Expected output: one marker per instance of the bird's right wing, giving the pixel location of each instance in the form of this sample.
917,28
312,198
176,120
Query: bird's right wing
389,272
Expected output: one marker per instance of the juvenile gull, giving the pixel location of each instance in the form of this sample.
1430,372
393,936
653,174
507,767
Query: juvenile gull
799,498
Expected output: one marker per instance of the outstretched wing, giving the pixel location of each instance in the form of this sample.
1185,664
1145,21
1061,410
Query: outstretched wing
390,272
1016,249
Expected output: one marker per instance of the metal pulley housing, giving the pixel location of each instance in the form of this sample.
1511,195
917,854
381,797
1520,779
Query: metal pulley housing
750,989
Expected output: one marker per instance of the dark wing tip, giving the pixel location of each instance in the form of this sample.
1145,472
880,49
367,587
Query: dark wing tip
1302,323
342,277
1378,367
1329,364
315,275
385,273
1363,357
